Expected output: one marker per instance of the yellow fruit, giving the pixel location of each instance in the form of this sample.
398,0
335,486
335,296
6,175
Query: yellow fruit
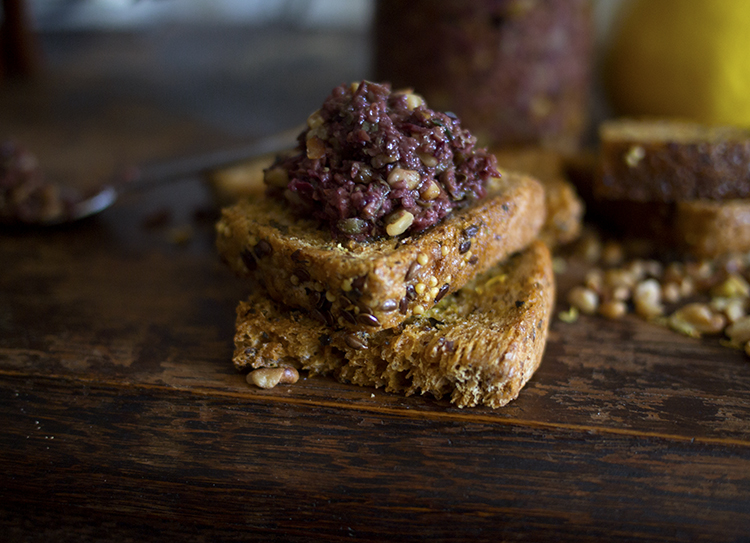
685,58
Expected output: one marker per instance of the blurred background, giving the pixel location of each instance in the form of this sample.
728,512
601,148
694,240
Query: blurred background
245,66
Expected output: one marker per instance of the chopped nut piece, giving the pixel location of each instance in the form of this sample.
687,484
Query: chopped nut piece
613,309
315,119
619,278
398,222
671,292
406,178
621,294
739,332
612,253
569,316
595,280
699,317
413,101
584,299
270,377
428,160
634,156
735,309
734,285
647,299
315,148
431,192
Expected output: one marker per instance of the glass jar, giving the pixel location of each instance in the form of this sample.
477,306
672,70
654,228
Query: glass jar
517,72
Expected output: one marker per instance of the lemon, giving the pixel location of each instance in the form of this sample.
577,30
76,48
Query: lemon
684,58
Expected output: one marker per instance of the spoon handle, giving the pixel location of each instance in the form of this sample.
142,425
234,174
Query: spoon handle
156,173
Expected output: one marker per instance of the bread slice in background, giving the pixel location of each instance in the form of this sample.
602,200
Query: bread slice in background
664,160
699,228
478,346
239,181
565,208
378,284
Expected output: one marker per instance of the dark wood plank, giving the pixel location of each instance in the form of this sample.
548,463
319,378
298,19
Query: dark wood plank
275,466
123,419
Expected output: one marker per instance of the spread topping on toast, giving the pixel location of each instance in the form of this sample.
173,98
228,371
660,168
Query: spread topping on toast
25,196
375,163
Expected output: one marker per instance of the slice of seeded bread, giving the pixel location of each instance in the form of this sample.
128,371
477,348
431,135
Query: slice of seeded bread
698,228
378,284
478,346
709,228
564,207
669,160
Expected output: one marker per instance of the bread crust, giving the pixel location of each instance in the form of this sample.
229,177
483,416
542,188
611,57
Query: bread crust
668,160
479,346
377,285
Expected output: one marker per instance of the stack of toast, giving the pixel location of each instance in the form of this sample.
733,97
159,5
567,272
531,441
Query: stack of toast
680,184
460,310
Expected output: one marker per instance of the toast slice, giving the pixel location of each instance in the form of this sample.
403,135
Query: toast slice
565,208
710,228
479,346
670,160
377,285
699,228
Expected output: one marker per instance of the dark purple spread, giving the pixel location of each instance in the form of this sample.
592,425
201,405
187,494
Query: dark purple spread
376,163
24,194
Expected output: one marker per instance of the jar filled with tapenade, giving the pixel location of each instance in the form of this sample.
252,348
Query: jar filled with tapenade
517,72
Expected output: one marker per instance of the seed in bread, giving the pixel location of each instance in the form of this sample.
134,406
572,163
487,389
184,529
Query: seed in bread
368,286
478,346
669,160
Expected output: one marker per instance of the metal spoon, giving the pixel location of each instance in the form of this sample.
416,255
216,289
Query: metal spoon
141,178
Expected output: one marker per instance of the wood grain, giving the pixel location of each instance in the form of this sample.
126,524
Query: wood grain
116,375
121,417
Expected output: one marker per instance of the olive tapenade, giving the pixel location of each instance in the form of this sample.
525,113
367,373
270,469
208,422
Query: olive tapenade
374,163
25,196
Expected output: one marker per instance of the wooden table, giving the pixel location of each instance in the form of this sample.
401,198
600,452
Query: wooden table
123,419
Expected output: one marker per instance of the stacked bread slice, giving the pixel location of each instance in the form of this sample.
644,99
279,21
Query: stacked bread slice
478,346
679,183
461,309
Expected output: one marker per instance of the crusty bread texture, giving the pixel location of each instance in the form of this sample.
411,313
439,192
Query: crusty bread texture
669,160
377,285
478,346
